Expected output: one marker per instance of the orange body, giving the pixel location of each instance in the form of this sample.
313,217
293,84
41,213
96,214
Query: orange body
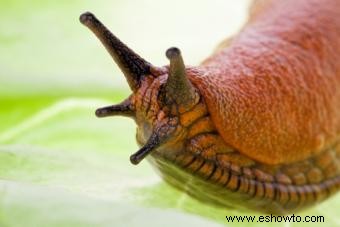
256,125
274,93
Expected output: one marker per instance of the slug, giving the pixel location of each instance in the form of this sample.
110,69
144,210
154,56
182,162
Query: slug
256,126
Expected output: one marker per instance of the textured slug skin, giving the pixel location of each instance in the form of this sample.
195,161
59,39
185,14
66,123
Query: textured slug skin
260,128
274,92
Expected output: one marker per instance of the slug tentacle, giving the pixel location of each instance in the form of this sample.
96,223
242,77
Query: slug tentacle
255,126
132,65
178,87
151,144
163,130
123,109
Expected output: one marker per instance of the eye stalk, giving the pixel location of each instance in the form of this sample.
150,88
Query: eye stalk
178,87
132,65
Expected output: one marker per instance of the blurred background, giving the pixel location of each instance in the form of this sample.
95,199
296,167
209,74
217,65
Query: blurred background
59,164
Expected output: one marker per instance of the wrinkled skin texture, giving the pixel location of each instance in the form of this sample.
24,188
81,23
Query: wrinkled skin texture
259,127
275,91
273,96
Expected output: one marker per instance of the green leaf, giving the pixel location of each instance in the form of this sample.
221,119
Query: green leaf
61,166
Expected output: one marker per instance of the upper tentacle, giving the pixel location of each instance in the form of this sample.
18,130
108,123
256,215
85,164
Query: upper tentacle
132,65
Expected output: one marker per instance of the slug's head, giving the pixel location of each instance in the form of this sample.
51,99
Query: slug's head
159,94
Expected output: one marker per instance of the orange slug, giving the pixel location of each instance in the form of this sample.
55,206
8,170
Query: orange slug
256,125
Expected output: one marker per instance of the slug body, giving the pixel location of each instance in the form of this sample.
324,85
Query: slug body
257,124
